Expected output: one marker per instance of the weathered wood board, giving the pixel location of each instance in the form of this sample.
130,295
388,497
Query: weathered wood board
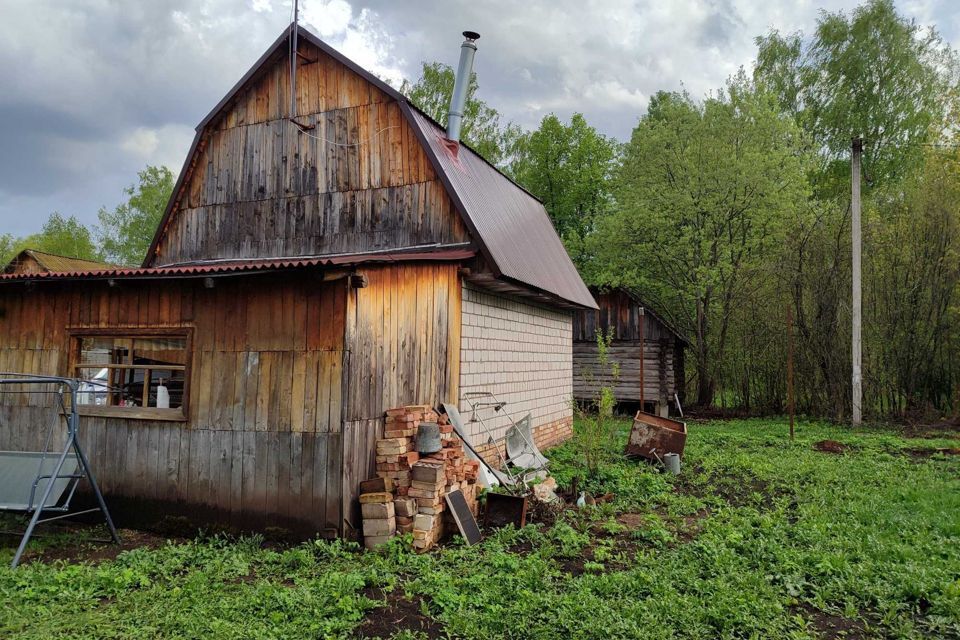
265,391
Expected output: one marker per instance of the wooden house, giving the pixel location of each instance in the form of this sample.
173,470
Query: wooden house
313,268
650,381
33,261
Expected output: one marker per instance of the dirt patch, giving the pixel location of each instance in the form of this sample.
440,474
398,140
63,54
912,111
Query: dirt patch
828,625
397,614
631,520
923,454
830,446
921,426
692,525
95,552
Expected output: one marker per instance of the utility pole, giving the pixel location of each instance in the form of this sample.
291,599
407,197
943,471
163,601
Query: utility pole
856,306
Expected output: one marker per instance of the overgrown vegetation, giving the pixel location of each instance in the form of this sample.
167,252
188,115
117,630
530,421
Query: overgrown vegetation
724,210
757,538
597,429
123,235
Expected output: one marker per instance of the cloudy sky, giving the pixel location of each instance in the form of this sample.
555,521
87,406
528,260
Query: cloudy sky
91,91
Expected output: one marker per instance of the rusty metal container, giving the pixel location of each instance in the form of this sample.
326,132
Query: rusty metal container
652,437
428,438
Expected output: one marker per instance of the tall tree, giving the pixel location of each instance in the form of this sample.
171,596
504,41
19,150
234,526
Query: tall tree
872,73
703,191
126,232
568,166
63,236
482,129
8,246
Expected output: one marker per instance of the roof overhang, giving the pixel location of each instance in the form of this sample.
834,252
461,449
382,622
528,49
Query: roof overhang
244,267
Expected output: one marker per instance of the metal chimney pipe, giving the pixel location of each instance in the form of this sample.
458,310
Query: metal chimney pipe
458,101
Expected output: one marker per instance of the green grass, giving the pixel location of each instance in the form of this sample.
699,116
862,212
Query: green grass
758,538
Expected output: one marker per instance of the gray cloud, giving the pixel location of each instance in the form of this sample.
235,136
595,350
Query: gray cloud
93,90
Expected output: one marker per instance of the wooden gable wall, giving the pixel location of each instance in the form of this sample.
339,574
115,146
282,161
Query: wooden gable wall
355,180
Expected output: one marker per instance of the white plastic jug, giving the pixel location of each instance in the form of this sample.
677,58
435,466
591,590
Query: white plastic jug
163,397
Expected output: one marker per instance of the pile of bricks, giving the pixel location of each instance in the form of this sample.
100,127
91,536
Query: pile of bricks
408,494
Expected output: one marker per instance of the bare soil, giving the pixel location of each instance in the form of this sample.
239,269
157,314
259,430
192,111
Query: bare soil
829,625
831,446
96,551
397,614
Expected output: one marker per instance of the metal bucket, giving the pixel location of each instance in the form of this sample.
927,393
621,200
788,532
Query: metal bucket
672,462
428,437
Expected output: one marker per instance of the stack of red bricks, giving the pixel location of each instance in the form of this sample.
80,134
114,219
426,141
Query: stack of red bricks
419,482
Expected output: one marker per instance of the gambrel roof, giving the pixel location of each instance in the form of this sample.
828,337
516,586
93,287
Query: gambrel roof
510,226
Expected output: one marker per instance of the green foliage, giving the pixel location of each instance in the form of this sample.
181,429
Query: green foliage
122,236
568,166
873,74
913,234
596,428
8,246
482,129
61,236
126,232
753,534
706,191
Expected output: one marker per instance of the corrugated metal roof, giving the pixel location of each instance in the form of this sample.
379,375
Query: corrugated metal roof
54,262
240,267
512,226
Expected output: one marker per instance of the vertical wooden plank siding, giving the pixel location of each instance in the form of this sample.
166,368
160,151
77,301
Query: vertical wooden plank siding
352,177
403,347
265,392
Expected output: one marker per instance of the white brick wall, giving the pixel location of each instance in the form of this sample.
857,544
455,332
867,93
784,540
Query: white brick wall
521,352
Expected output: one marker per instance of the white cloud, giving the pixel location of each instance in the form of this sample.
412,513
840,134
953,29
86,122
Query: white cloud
93,91
141,142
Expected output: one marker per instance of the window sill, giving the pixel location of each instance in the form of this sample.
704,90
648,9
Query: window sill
133,413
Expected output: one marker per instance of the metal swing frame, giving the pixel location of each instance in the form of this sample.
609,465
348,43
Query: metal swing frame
480,400
72,473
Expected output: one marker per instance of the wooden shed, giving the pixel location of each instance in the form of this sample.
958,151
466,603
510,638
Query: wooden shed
33,261
313,268
651,380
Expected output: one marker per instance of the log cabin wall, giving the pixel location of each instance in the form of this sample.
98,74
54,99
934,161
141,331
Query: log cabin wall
403,347
662,360
262,440
355,179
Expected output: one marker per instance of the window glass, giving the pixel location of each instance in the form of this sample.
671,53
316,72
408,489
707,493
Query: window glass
121,371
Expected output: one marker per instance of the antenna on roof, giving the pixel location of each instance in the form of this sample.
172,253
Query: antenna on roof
293,58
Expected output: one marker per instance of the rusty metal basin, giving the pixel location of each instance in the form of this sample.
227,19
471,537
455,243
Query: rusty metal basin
653,436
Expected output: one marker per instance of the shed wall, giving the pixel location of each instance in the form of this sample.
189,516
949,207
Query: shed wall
262,442
659,378
522,353
620,318
403,342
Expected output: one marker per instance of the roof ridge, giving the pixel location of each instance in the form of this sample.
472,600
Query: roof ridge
60,255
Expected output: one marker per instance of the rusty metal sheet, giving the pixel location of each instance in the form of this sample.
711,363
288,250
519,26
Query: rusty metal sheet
653,436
